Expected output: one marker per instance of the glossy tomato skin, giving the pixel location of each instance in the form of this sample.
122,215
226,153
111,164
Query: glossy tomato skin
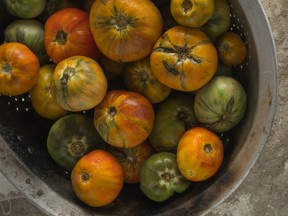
138,77
231,49
71,137
173,117
160,177
97,178
219,22
78,83
192,13
25,8
184,58
41,97
67,33
125,31
132,160
199,154
221,104
19,68
124,118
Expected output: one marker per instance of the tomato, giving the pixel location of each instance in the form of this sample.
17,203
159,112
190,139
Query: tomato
221,104
124,118
125,31
192,13
67,33
138,77
132,160
160,177
199,154
97,178
231,49
184,58
219,22
41,97
25,8
27,32
78,83
19,68
173,117
71,137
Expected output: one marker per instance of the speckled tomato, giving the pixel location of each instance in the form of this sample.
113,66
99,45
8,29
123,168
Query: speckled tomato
67,33
19,68
78,83
138,77
132,159
199,154
221,104
184,58
231,49
192,13
97,178
41,97
124,118
125,30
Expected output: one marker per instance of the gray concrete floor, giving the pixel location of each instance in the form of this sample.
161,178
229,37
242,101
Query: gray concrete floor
265,190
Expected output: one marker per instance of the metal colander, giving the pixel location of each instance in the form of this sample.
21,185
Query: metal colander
24,159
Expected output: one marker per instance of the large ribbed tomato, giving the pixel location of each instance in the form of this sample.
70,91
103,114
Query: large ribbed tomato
67,33
78,83
125,30
124,118
19,68
97,178
184,58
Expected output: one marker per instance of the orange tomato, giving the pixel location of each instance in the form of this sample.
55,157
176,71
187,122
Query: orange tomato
19,68
124,118
41,97
67,33
97,178
231,49
125,31
132,160
184,58
199,154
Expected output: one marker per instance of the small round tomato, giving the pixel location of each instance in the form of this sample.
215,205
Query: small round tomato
78,83
138,77
124,118
41,97
184,58
160,177
132,159
71,137
97,178
231,49
172,118
192,13
200,154
67,33
19,68
125,31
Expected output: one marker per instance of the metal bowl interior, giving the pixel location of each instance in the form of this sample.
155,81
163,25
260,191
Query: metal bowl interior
24,159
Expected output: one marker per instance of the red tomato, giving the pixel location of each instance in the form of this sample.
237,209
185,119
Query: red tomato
67,33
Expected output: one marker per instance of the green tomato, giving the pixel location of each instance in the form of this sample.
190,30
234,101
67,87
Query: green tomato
221,104
25,9
71,137
160,177
172,118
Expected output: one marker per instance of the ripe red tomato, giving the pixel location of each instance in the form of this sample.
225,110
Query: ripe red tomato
67,33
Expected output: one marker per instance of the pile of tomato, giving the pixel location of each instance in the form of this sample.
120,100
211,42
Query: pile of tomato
157,76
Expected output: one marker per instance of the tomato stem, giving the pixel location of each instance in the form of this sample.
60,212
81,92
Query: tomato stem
6,68
85,177
61,37
208,148
187,5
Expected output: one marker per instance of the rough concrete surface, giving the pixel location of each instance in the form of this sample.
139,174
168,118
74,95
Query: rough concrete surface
264,192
